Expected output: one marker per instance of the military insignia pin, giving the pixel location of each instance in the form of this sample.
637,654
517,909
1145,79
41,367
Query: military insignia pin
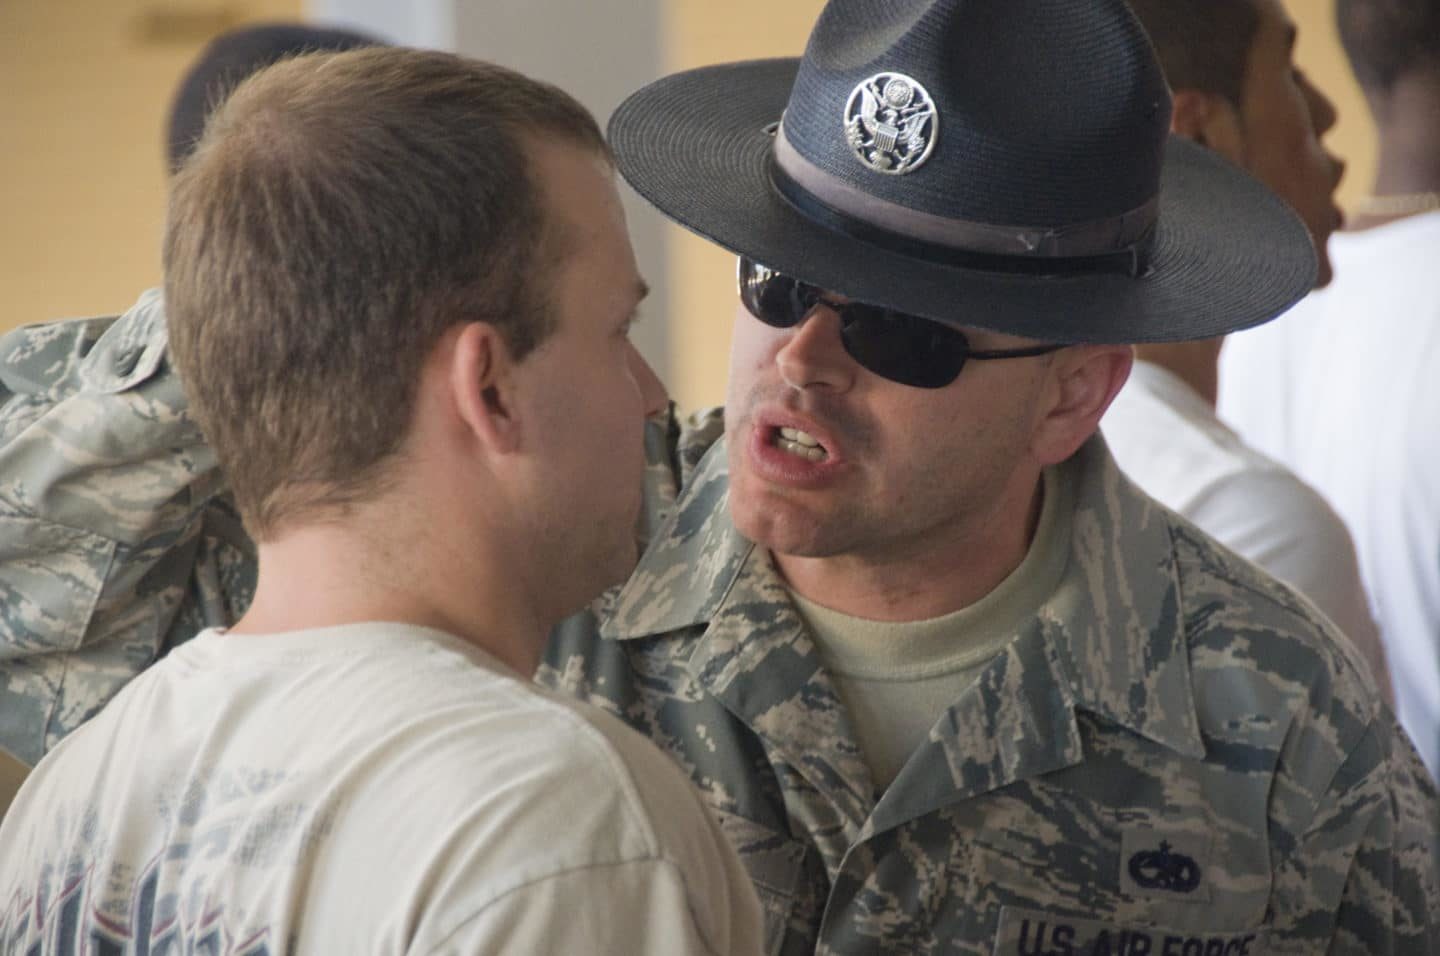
891,123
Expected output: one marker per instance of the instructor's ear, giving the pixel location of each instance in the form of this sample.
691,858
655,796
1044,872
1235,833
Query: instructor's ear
1085,380
483,386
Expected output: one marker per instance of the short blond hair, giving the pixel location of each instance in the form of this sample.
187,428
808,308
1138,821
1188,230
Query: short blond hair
340,213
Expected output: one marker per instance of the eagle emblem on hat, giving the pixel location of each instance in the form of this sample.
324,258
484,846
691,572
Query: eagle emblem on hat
891,123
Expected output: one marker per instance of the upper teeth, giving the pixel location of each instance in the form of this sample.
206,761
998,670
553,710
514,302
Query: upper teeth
796,435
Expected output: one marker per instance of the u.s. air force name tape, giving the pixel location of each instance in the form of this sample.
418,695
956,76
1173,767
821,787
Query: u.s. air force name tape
1033,933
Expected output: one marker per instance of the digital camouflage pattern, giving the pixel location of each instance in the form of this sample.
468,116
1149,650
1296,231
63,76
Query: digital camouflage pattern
113,541
1176,757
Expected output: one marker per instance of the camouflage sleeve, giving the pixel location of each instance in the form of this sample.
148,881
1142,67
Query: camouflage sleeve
103,477
1409,839
1387,820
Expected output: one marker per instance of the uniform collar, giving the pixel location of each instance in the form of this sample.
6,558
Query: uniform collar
692,561
1113,632
1117,621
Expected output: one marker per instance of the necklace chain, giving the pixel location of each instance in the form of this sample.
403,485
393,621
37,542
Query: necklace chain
1399,204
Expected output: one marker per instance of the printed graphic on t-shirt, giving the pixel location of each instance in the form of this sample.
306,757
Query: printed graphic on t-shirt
201,875
73,924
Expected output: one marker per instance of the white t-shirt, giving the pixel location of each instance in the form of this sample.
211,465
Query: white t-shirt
1169,441
376,788
1345,389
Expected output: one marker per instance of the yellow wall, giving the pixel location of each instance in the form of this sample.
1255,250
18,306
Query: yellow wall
702,276
84,90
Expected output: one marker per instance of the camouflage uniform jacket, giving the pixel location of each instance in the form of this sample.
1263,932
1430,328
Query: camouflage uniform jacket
113,543
1172,759
1175,758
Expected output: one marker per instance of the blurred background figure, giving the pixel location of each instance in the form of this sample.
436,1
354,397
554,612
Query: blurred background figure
1346,388
1238,91
231,57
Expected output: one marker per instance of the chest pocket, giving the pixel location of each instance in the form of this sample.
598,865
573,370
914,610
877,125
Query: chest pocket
776,866
1146,842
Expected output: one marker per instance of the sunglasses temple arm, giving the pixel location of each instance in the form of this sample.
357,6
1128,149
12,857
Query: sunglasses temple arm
1013,353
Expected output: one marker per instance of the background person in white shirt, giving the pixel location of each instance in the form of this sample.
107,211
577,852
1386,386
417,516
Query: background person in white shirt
1346,388
398,290
1237,91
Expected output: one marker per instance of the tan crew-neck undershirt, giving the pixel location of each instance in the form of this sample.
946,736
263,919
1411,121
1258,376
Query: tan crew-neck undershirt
896,678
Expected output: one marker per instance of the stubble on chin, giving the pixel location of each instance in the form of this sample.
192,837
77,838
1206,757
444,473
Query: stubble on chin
779,523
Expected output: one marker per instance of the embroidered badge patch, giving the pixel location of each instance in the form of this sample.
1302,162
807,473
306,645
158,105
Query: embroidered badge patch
891,123
1035,933
1164,870
1169,865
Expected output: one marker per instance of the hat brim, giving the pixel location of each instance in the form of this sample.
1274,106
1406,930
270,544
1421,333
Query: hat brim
1228,253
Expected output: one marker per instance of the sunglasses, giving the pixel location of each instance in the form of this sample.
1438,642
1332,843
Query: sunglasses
894,345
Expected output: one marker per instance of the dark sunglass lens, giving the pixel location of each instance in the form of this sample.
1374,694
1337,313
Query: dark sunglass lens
751,279
904,348
773,298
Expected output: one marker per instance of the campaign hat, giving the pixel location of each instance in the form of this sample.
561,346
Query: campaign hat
1000,164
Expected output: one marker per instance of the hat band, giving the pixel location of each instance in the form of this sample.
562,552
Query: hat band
821,195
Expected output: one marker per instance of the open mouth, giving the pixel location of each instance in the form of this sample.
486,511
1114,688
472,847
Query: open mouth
801,444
